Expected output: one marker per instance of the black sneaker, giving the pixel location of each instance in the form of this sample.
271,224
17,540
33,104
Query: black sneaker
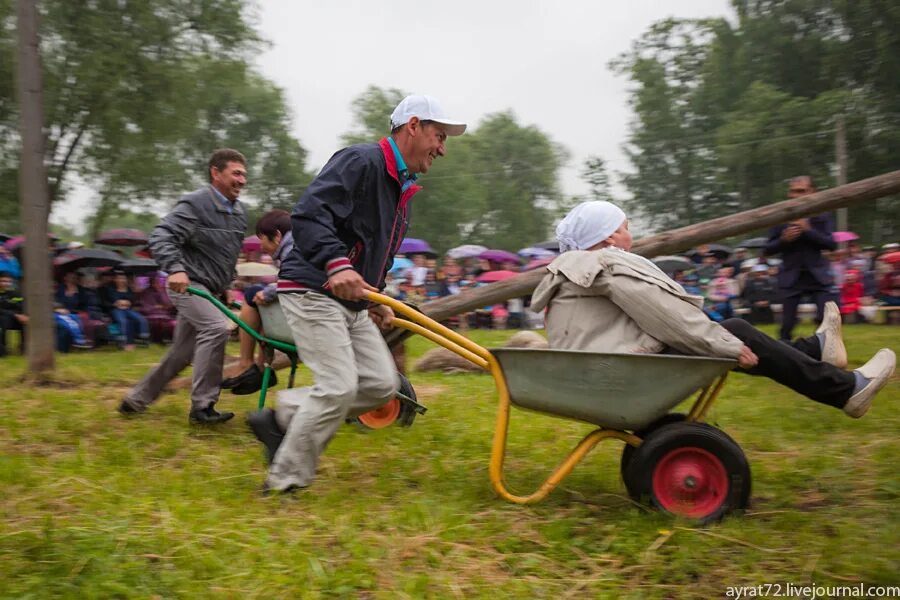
254,383
209,416
265,428
127,409
252,372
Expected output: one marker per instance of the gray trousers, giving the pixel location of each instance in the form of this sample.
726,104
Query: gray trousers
201,332
353,372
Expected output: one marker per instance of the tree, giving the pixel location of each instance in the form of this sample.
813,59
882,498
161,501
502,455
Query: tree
139,93
497,185
725,113
34,193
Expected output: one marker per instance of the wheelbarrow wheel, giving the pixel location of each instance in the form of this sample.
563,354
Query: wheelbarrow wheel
691,470
628,450
393,411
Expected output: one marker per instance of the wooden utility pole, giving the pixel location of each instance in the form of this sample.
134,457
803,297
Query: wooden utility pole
840,151
678,240
34,197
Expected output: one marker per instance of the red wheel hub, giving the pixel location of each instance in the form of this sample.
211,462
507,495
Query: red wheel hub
383,416
690,482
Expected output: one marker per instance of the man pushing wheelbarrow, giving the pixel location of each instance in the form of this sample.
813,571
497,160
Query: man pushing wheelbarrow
347,226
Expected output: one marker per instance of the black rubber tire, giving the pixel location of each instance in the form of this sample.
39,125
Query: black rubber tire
692,437
628,450
407,411
407,414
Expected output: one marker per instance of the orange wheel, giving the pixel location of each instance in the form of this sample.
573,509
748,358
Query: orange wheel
383,416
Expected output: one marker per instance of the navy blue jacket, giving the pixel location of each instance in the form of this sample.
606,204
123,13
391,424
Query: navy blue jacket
805,252
353,215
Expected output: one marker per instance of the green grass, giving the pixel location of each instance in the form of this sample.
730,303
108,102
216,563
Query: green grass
95,505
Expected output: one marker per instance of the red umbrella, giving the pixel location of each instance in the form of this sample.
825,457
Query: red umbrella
492,276
122,237
890,257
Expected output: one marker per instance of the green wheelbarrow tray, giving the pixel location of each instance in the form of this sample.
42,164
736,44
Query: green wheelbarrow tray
615,391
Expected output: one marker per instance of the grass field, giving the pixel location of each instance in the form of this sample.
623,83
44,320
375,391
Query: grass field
95,505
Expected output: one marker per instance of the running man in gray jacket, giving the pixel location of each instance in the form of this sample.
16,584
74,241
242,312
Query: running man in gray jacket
197,244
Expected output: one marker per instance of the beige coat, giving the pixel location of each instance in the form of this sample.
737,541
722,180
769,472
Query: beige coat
610,300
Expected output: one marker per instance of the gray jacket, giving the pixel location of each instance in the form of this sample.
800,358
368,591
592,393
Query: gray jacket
610,300
202,237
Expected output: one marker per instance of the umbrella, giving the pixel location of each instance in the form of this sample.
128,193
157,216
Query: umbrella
138,266
4,237
122,237
492,276
757,242
548,245
143,253
251,244
844,236
414,246
500,256
537,263
79,258
536,252
400,264
256,269
721,252
890,257
14,244
466,251
670,264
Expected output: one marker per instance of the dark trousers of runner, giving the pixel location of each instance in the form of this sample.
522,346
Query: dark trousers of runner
795,364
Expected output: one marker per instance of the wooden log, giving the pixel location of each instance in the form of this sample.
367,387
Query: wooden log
677,240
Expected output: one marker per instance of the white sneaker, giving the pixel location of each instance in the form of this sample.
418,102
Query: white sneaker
833,350
878,370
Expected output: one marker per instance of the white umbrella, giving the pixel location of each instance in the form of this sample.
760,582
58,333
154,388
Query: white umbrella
466,251
256,269
534,252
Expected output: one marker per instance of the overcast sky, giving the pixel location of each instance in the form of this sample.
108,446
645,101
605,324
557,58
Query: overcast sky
545,60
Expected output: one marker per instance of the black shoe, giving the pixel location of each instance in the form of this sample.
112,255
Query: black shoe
266,430
127,409
254,383
209,416
250,373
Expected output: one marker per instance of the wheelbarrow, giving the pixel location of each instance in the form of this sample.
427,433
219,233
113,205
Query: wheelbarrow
400,410
673,461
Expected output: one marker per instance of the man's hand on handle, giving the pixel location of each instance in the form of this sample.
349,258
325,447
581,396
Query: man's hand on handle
383,315
179,282
349,285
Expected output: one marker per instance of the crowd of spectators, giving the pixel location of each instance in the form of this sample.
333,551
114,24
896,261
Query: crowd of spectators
100,307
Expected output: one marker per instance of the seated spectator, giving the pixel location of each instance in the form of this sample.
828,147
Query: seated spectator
851,294
274,232
132,325
603,298
721,291
12,312
154,304
9,264
82,302
758,294
434,289
451,268
708,268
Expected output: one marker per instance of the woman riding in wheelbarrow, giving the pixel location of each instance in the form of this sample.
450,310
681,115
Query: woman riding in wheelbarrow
600,297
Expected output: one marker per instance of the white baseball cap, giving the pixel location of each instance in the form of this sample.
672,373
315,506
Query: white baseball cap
427,109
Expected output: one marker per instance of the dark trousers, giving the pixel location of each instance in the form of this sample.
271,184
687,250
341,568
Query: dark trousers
790,301
8,322
796,364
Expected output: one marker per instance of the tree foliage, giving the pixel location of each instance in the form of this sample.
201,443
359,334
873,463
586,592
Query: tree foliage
497,185
139,93
725,112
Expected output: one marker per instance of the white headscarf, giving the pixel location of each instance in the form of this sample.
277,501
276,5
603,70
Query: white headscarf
588,224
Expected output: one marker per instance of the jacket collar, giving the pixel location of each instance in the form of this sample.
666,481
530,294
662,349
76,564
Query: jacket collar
223,204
